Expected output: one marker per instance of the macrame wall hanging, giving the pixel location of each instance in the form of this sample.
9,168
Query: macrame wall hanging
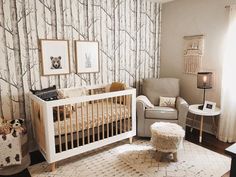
193,53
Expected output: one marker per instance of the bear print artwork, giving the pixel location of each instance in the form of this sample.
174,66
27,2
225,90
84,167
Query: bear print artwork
56,62
55,57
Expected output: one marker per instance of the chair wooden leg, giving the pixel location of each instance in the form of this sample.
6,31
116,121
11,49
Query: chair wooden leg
175,157
53,166
130,140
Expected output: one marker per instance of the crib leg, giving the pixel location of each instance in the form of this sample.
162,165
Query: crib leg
130,140
53,166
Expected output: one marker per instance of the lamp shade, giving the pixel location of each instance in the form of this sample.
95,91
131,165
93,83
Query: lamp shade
204,80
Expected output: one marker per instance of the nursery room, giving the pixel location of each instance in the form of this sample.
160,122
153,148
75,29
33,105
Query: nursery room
117,88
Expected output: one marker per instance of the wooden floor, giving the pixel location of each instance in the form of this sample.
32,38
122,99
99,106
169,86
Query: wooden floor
209,141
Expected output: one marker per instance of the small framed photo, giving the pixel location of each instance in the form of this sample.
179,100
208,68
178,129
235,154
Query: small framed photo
209,106
87,56
55,56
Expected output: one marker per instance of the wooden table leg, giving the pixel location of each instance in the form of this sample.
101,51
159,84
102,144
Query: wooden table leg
193,122
201,126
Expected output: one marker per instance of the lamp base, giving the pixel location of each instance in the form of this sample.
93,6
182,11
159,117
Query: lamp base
200,107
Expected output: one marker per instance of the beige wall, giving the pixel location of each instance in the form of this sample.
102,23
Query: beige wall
192,17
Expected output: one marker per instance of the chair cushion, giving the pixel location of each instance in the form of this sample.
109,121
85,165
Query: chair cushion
154,88
161,113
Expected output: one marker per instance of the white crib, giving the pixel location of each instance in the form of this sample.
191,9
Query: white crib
67,127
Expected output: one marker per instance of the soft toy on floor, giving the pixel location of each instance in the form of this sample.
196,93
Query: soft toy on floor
17,126
5,127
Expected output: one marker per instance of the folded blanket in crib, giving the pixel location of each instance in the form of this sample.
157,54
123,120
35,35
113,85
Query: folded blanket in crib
10,145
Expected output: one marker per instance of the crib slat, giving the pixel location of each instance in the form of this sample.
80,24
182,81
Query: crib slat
98,119
59,127
112,116
82,117
107,117
93,119
120,114
102,119
129,112
77,128
65,126
124,118
116,115
87,111
71,128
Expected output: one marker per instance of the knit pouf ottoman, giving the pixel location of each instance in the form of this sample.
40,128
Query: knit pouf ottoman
166,137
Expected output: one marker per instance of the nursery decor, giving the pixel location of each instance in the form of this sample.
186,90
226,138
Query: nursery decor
55,57
87,56
204,81
209,106
193,53
71,126
166,138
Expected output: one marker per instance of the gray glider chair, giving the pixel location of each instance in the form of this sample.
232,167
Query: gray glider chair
148,109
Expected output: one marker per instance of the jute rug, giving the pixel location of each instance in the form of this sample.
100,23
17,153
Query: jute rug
138,159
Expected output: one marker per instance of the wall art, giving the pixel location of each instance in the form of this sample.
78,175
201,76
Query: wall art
87,56
55,57
193,53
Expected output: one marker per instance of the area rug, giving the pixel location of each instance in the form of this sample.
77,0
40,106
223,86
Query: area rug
138,159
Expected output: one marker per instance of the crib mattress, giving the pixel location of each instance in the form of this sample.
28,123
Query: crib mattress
110,113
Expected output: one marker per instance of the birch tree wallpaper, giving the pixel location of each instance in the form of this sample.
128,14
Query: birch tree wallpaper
128,32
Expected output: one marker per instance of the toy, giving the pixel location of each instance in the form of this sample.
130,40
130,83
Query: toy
17,126
5,127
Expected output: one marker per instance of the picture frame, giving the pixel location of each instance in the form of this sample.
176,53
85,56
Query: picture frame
55,57
87,56
209,106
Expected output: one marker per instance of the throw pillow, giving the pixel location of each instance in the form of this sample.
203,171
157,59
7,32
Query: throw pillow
46,94
117,86
167,102
76,92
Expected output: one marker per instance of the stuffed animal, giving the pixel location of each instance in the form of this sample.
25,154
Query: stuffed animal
17,126
5,127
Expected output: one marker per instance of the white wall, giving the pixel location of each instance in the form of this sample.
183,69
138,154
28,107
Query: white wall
192,17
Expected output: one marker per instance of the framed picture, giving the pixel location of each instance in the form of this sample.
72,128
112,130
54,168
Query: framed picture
209,106
55,57
87,56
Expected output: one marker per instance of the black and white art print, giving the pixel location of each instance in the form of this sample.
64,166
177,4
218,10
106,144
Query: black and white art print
55,57
87,57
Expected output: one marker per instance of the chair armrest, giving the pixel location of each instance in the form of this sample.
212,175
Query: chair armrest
182,107
144,101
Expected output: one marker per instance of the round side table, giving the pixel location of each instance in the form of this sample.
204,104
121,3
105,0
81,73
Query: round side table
194,110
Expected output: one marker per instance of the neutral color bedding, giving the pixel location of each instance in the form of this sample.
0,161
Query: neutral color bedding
110,113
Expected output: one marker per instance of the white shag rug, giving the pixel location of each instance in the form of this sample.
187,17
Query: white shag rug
138,159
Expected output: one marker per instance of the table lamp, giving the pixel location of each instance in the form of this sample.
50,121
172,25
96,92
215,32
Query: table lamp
204,81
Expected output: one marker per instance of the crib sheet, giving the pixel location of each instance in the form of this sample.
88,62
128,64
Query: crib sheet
110,113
